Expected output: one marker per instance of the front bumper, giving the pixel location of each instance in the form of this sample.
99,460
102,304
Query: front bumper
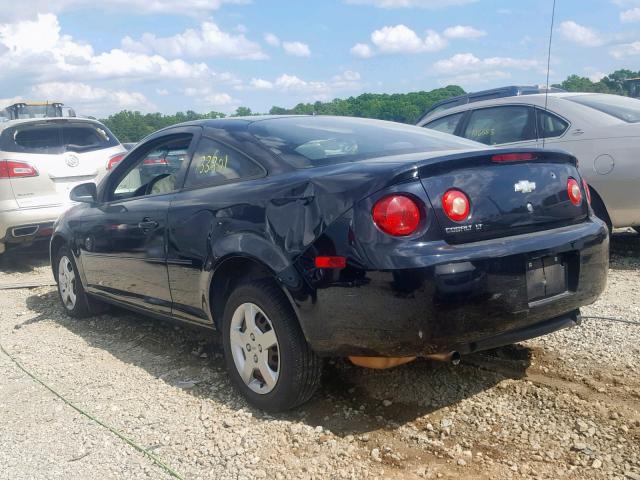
461,297
24,225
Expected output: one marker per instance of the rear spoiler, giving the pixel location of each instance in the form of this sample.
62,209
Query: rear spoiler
496,156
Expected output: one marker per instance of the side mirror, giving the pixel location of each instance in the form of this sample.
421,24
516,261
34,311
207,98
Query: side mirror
84,193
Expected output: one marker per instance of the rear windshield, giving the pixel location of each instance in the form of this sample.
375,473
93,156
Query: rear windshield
54,137
306,142
623,108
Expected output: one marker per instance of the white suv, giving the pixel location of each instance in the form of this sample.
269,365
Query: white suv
41,160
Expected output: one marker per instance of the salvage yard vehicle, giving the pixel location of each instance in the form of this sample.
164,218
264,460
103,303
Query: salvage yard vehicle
41,160
602,131
302,237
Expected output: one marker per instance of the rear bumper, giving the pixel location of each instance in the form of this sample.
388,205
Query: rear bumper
24,225
462,297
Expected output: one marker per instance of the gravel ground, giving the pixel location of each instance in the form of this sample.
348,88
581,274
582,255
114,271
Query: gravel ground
566,406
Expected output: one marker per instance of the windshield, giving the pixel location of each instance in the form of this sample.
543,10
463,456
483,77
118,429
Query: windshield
307,142
623,108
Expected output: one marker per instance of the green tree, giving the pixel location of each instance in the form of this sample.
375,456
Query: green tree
242,112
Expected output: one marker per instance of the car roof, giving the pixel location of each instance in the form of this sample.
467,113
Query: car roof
491,94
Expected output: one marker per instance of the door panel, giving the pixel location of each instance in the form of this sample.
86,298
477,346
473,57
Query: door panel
124,252
124,242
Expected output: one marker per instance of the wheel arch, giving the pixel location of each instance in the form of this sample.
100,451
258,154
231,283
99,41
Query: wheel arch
599,207
230,272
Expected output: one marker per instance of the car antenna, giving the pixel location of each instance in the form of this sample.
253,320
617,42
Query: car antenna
546,91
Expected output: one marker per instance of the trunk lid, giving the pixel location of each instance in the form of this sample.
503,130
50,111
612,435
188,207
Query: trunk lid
507,198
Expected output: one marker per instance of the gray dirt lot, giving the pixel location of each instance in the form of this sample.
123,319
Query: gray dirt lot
566,406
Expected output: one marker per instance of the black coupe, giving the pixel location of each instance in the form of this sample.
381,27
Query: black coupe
301,237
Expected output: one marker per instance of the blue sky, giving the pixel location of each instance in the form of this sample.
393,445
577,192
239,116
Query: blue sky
169,55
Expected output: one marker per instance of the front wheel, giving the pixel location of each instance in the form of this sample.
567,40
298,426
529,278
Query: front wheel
70,290
267,356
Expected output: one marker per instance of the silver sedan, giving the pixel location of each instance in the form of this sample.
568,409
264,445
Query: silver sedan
602,131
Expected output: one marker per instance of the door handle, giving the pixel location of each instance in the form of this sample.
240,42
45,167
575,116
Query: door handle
147,224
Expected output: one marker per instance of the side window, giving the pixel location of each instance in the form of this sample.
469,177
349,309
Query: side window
446,124
497,125
550,125
214,164
160,170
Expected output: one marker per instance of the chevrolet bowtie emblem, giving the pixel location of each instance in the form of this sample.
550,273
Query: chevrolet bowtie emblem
525,186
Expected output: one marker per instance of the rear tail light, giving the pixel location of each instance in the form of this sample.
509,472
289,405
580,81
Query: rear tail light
14,169
587,192
397,215
113,161
331,262
573,189
456,205
513,157
155,161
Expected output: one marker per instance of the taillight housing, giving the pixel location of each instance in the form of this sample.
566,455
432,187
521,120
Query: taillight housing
397,215
573,189
113,161
155,161
587,192
15,169
456,205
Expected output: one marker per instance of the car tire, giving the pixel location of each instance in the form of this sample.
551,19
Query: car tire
267,356
71,292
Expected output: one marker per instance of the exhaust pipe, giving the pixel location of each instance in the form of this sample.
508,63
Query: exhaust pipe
451,357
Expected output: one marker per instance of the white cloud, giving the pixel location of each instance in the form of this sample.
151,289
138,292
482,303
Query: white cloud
399,39
580,34
597,76
463,31
29,9
468,62
41,61
272,39
209,97
625,50
261,84
297,49
362,50
631,15
92,100
206,41
38,52
410,3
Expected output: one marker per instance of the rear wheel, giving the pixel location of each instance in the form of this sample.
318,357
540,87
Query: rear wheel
267,356
72,295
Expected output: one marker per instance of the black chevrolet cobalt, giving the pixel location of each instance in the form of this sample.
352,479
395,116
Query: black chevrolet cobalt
302,237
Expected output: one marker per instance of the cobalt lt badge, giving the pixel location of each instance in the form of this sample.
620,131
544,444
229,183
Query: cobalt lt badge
525,186
72,160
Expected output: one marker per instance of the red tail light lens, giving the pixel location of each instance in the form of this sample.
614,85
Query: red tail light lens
113,161
13,169
331,262
513,157
573,189
397,215
587,192
456,205
155,161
